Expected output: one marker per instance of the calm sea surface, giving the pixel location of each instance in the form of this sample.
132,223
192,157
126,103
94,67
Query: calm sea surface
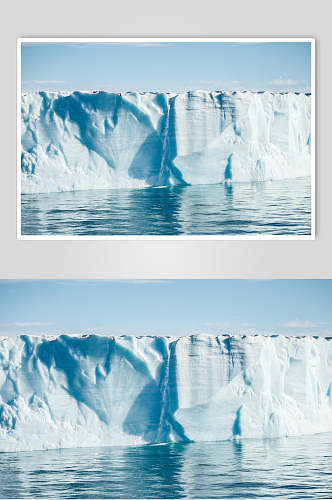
277,468
269,208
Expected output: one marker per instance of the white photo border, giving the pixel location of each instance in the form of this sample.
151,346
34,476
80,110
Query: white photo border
310,40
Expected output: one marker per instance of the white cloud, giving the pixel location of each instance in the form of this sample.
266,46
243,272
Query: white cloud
97,282
223,328
106,45
259,280
281,82
212,84
228,324
144,282
24,324
149,44
42,82
324,333
298,323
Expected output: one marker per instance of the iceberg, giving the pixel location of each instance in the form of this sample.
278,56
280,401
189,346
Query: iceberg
103,140
88,390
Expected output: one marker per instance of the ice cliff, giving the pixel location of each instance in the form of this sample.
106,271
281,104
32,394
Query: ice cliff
91,390
99,140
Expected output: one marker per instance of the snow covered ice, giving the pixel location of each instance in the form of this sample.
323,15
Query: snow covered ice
101,140
78,391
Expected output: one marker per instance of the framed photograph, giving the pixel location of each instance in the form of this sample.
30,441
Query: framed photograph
155,138
115,398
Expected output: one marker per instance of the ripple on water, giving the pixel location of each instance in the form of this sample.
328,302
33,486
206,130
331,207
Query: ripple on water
298,467
268,208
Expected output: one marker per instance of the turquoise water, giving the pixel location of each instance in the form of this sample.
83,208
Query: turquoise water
261,208
285,468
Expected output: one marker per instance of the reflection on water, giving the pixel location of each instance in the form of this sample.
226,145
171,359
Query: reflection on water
273,207
276,468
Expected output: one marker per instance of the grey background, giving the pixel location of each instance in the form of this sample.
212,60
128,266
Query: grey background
165,259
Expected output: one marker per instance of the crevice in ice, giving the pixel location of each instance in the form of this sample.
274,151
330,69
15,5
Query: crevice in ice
228,170
237,423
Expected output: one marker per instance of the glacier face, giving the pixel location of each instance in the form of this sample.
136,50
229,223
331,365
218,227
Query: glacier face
101,140
69,391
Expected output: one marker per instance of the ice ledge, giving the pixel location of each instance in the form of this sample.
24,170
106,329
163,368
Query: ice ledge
49,337
104,140
91,390
168,93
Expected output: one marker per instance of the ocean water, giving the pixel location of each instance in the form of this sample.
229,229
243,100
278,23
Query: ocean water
261,208
287,468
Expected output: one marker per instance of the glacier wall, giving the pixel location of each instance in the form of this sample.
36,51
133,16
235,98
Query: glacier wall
69,391
101,140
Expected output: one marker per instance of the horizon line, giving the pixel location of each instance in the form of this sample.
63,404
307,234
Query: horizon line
120,92
175,336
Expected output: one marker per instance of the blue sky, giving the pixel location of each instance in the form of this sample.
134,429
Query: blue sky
172,66
166,307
